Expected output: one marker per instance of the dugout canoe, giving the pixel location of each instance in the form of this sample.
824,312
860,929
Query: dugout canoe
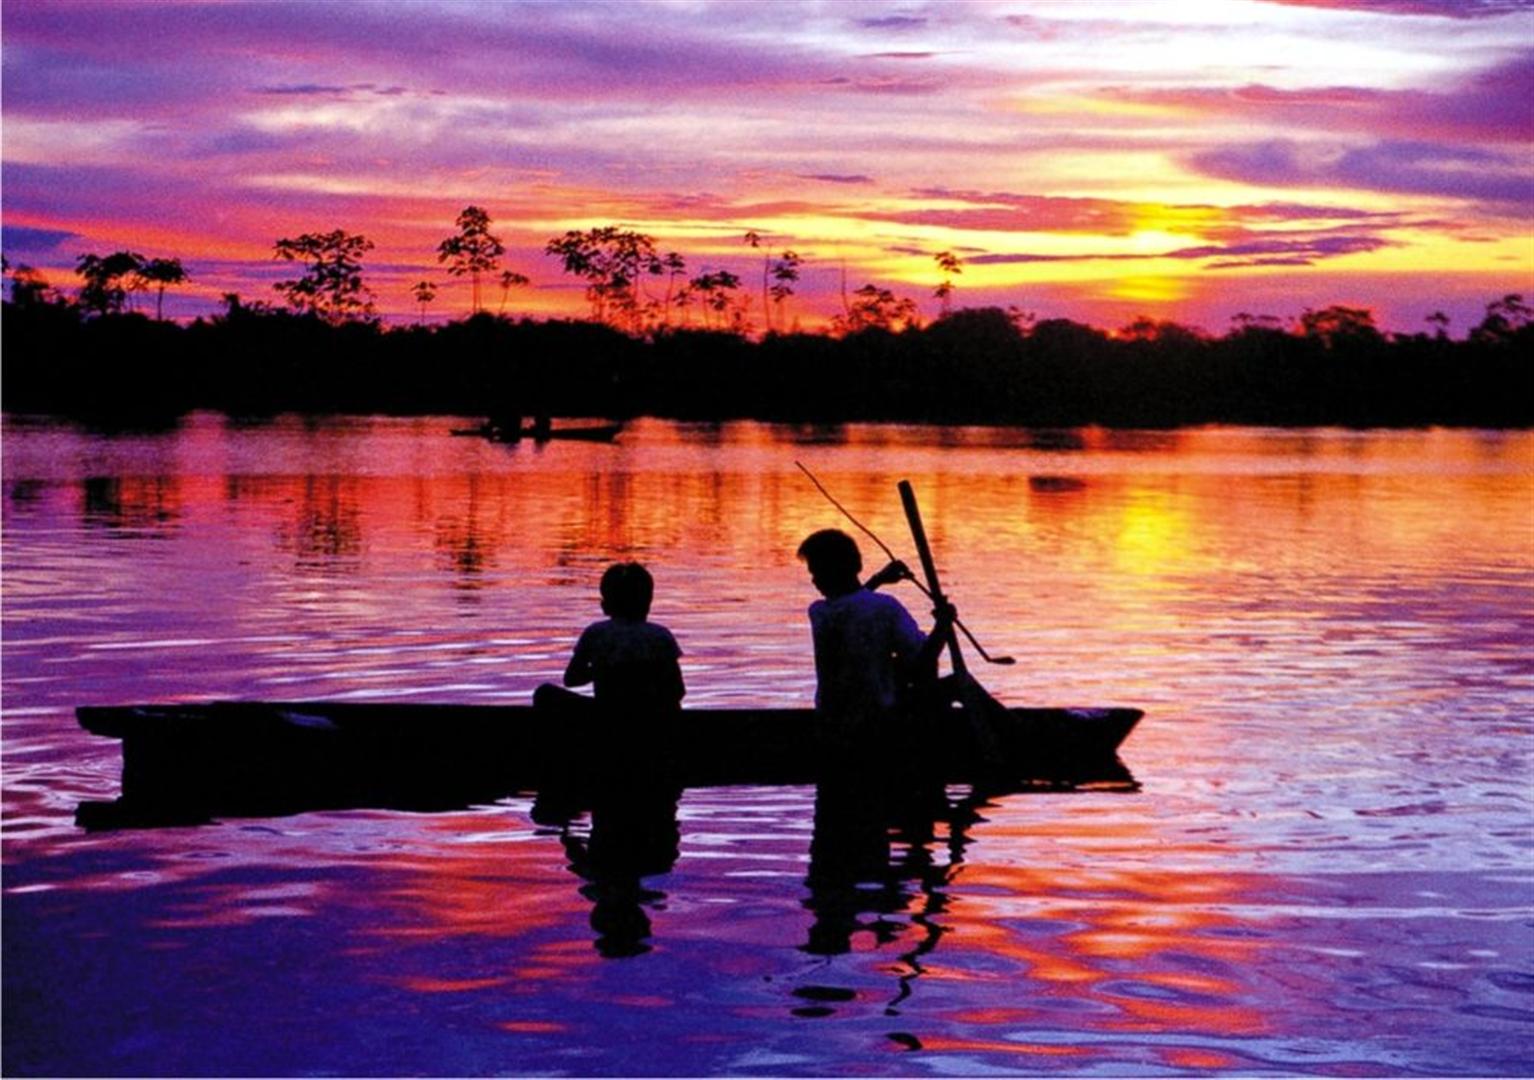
585,433
240,759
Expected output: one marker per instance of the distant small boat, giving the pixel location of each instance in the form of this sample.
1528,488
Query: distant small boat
583,433
191,762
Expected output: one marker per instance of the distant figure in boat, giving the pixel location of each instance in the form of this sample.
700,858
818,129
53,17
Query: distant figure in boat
869,652
631,663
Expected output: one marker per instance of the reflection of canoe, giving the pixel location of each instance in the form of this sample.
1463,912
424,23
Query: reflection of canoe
189,762
585,433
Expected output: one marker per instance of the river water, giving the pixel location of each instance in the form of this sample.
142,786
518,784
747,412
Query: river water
1326,868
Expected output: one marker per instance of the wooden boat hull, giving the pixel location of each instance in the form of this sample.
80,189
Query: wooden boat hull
590,433
229,759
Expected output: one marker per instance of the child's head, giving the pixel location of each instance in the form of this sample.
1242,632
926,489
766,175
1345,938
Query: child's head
627,590
833,559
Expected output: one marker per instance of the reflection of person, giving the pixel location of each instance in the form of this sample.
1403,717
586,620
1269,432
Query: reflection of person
856,871
631,663
868,648
634,835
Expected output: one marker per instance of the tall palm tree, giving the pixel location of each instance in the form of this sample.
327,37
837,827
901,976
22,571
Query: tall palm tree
950,265
757,241
162,273
424,292
473,251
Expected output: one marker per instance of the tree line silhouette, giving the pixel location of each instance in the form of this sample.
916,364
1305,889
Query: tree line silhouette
660,341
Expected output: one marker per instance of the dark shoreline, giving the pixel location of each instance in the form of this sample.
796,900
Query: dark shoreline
973,368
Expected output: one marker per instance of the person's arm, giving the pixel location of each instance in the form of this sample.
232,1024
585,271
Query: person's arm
891,573
918,652
676,689
578,672
943,617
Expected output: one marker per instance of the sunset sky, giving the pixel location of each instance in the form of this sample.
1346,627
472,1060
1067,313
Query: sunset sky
1089,160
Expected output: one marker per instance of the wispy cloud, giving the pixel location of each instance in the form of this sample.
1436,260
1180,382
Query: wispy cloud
1445,9
893,22
1415,168
837,178
23,239
1494,105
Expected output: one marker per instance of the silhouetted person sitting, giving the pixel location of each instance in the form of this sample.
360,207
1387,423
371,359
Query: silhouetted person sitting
868,648
631,663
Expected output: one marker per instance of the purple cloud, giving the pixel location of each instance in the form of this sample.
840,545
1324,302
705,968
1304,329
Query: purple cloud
1262,249
90,58
1447,9
1494,105
893,22
837,178
1021,258
1238,264
305,90
14,238
1414,168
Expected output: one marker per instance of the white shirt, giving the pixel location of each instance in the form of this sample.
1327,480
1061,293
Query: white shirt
857,640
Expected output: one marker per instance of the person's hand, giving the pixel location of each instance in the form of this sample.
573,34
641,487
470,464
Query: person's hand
944,615
894,571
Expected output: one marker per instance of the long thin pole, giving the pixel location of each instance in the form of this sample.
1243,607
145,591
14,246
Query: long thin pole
987,657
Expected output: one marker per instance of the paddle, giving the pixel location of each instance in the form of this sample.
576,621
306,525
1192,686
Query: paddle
980,708
979,648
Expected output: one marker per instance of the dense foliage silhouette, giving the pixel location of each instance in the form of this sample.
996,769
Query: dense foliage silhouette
983,366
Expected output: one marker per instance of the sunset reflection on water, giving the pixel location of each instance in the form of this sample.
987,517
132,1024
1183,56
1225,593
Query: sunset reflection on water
1324,869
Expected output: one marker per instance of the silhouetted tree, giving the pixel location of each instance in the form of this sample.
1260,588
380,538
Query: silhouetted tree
874,308
424,292
1504,319
236,308
1245,320
474,251
162,273
332,286
716,294
612,260
785,273
1144,328
29,288
510,279
104,291
675,266
1440,324
950,265
759,243
1339,326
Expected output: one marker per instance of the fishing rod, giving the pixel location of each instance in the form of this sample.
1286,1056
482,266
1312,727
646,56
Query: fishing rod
987,657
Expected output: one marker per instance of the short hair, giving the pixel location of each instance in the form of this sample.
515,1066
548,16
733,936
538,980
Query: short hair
627,589
832,552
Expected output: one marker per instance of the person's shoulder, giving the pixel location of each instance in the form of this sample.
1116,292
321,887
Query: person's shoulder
655,629
877,601
653,634
888,606
661,640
